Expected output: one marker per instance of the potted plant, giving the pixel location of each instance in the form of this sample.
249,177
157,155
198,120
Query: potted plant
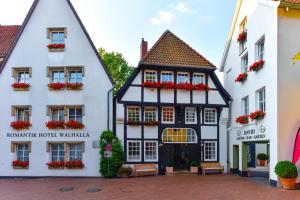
125,172
169,168
194,167
287,173
262,157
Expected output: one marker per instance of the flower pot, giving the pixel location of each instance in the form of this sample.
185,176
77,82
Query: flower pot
169,170
194,170
262,162
288,183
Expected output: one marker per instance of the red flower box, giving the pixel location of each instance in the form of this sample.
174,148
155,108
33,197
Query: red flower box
151,123
74,164
180,86
56,164
74,124
56,46
242,36
185,86
21,85
244,119
134,123
55,124
201,87
56,86
257,65
241,77
20,164
257,115
168,85
74,86
152,84
20,125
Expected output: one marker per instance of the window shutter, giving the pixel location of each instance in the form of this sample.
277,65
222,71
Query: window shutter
14,72
13,111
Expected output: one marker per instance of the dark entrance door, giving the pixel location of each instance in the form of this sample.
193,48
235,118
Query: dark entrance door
180,155
251,155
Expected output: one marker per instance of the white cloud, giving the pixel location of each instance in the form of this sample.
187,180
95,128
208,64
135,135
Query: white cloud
182,8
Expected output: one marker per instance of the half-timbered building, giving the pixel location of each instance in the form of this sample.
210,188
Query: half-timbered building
173,107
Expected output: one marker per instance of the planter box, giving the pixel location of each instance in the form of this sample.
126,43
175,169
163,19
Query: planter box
194,170
17,167
21,89
258,68
62,167
169,170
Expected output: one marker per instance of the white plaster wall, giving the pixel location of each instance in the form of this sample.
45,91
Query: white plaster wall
132,94
211,83
183,96
138,79
134,132
214,97
209,132
167,96
223,138
199,97
31,51
150,132
150,95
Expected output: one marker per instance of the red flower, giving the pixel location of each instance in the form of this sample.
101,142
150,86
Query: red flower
241,77
21,85
74,86
19,125
152,84
55,125
151,123
256,65
74,164
244,119
168,85
56,46
179,86
242,36
56,86
257,115
18,163
201,87
134,123
74,124
56,164
185,86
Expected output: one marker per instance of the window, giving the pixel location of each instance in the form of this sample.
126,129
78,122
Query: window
150,152
58,76
150,76
243,29
57,35
21,75
166,77
245,105
210,151
260,47
243,25
150,114
210,116
22,151
75,152
57,114
168,115
244,64
243,46
22,114
75,114
133,114
182,77
261,99
198,78
190,115
133,151
75,76
179,135
58,152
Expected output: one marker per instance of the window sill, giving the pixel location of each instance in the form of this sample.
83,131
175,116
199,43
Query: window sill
24,168
53,168
21,89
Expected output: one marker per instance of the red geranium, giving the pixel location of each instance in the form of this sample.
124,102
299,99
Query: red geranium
168,85
74,124
56,86
242,36
151,123
19,125
18,163
152,84
257,115
55,125
244,119
256,65
74,86
74,164
56,164
201,87
241,77
184,86
134,123
21,85
56,46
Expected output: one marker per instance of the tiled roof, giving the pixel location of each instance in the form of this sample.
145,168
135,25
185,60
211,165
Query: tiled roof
291,1
170,50
7,36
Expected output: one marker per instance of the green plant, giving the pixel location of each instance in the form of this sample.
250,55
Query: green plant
262,156
286,169
127,171
194,164
169,163
109,167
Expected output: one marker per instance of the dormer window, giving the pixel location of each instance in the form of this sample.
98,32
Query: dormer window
56,38
182,77
150,76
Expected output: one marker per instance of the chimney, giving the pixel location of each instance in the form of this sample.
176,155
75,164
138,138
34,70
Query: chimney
144,48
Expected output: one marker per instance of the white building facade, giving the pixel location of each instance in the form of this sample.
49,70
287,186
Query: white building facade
260,76
55,95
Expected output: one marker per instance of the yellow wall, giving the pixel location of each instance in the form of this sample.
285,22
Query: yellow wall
292,13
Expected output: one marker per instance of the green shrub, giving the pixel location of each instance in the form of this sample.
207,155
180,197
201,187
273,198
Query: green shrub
262,156
109,167
127,171
194,164
169,163
286,169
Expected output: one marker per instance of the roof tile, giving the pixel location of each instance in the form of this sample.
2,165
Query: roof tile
7,36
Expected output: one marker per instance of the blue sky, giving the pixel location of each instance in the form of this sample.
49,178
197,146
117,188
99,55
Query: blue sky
119,25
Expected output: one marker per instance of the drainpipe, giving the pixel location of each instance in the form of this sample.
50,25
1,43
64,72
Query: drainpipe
228,137
108,108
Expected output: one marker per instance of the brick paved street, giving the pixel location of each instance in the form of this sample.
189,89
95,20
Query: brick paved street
210,187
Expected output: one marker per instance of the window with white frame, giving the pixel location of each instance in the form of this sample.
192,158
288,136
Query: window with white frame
57,36
245,105
133,114
75,75
75,151
210,151
179,135
23,76
261,99
57,114
150,114
166,77
57,76
260,48
22,151
198,78
244,63
57,152
75,114
150,76
150,151
22,113
182,77
168,115
210,116
133,151
190,115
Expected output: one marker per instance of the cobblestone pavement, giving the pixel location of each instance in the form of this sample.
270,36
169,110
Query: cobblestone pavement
210,187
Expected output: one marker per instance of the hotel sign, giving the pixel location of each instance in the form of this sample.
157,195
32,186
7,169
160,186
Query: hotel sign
47,135
256,133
